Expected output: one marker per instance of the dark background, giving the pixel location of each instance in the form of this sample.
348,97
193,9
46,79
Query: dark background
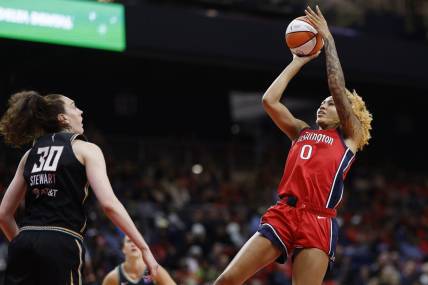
165,104
183,61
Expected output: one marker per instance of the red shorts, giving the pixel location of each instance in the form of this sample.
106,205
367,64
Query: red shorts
292,228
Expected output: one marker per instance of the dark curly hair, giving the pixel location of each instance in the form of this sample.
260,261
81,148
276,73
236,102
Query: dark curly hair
30,115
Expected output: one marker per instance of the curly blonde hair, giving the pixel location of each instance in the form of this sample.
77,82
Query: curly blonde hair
363,115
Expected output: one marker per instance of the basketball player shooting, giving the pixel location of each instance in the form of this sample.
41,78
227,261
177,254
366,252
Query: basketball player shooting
302,223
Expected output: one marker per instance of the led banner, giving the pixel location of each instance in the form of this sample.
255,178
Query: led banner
66,22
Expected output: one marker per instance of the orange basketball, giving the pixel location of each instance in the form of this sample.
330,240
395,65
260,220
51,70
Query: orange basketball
302,38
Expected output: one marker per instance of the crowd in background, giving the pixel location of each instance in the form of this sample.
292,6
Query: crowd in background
197,203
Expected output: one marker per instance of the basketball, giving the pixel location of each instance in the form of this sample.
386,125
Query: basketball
302,38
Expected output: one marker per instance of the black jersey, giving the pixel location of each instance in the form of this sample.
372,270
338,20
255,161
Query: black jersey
57,186
125,280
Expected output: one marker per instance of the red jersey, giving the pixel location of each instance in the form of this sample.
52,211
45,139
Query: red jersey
316,166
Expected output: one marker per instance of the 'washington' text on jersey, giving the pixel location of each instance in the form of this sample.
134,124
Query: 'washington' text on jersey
316,167
316,137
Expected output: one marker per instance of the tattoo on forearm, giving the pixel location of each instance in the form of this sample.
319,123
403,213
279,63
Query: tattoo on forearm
336,80
336,83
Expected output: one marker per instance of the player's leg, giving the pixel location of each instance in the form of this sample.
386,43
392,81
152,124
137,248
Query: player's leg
21,265
257,252
61,259
309,267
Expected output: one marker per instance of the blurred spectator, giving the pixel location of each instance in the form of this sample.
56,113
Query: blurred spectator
197,221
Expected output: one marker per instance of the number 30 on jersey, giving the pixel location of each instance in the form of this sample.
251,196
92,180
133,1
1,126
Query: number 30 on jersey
48,160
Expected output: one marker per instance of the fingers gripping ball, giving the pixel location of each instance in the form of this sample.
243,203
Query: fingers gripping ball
302,38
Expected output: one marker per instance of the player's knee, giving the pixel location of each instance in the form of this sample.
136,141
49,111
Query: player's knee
226,279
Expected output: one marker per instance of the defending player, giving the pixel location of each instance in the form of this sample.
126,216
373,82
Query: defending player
54,176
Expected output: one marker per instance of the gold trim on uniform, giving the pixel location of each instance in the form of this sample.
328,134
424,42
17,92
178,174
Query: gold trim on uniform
86,189
74,137
84,226
80,262
52,228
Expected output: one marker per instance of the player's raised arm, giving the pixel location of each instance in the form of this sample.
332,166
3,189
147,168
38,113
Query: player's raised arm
278,112
336,80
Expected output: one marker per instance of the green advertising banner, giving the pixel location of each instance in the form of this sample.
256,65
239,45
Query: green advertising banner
66,22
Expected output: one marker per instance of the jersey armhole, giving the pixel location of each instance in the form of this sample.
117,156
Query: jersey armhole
304,129
298,135
342,139
72,139
27,153
78,137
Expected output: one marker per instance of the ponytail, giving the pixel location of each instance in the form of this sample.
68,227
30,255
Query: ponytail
30,115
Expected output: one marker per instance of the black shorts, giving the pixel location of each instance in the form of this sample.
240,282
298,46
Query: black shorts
44,258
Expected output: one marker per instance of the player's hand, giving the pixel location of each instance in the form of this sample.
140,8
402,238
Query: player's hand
150,262
302,60
318,21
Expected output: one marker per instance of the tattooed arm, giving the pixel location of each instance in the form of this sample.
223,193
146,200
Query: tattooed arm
350,124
